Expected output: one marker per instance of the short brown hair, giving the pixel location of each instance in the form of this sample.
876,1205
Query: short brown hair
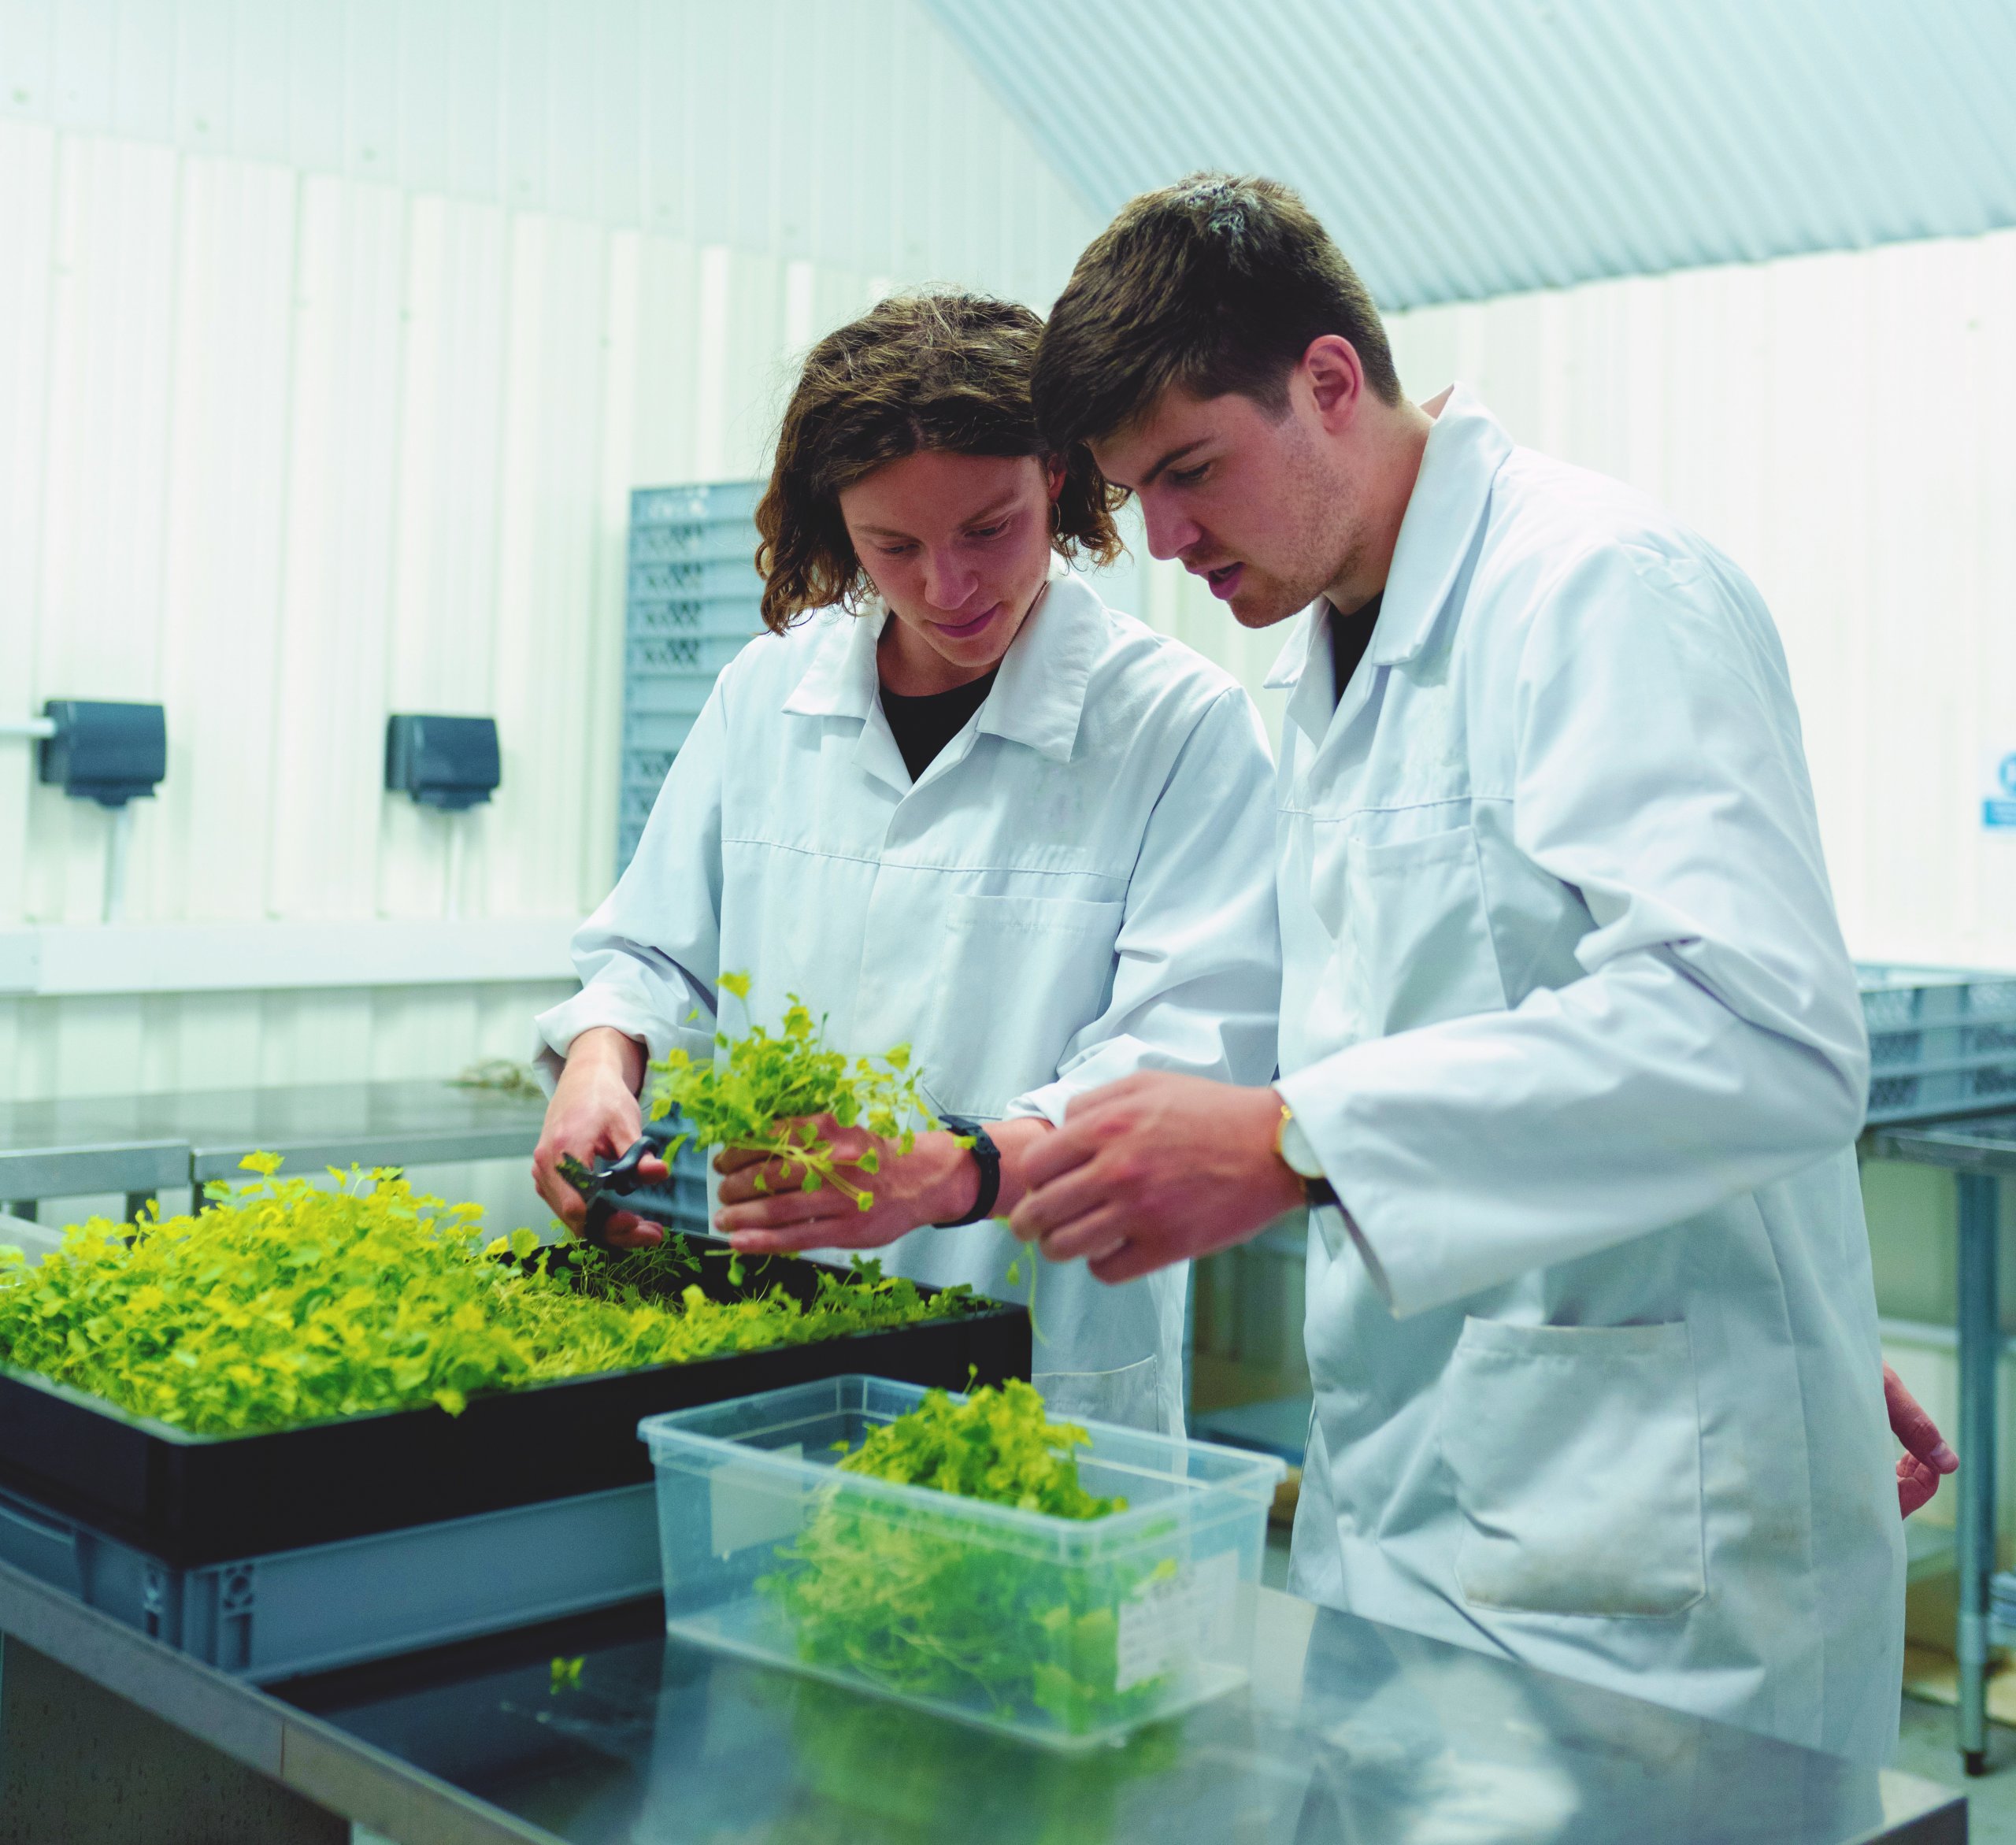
947,372
1215,284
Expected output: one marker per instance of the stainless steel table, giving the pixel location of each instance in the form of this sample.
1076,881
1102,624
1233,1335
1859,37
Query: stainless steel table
60,1148
1348,1732
138,1144
1980,1151
410,1124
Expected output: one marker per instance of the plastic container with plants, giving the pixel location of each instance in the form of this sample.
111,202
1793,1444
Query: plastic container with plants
962,1553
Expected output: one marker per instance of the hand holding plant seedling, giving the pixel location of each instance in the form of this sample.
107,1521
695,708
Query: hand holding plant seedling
819,1137
766,1210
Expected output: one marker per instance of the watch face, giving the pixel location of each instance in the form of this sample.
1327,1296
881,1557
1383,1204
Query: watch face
1295,1149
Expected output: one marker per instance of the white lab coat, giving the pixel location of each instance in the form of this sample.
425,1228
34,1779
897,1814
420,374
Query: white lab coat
1567,1016
1079,886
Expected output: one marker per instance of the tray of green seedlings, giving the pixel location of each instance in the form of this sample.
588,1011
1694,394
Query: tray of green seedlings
301,1363
961,1553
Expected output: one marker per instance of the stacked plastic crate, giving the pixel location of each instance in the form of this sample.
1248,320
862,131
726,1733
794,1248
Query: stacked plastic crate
692,604
1942,1042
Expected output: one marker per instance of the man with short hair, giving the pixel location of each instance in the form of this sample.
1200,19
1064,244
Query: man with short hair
1572,1053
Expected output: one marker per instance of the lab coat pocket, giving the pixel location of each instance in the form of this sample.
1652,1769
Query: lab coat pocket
1017,978
1419,932
1130,1396
1576,1452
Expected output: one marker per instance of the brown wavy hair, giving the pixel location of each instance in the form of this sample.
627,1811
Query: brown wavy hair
949,371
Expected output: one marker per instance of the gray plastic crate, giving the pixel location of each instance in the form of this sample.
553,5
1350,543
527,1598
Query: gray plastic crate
1942,1041
698,656
740,618
694,601
295,1611
713,502
703,579
680,694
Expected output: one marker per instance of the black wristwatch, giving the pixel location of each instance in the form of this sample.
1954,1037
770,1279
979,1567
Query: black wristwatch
988,1156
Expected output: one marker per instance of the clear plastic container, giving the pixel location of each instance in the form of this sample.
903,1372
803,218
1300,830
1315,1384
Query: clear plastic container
1067,1631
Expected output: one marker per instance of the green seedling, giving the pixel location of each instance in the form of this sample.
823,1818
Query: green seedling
564,1675
757,1097
290,1302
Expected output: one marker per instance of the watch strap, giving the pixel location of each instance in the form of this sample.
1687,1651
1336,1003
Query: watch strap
987,1156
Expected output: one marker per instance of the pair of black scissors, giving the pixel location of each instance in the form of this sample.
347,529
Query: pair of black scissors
618,1186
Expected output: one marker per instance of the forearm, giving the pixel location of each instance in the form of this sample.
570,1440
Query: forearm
602,1049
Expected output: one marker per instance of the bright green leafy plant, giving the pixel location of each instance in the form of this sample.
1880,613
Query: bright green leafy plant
908,1599
288,1302
757,1097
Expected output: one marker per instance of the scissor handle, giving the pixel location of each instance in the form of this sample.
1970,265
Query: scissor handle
631,1192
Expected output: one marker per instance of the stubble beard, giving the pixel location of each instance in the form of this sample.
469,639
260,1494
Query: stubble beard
1326,538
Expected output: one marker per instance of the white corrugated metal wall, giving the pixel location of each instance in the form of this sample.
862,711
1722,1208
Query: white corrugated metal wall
331,341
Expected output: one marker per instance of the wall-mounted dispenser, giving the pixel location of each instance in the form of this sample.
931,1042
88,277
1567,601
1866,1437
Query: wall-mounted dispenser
449,764
445,762
112,753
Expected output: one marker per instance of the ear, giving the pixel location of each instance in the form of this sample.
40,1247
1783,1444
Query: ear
1335,380
1053,475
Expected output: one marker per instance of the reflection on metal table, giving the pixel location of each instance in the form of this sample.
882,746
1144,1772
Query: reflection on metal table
1979,1151
1348,1732
137,1144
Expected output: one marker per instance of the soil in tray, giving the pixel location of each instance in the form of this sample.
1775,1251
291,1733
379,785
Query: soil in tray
202,1498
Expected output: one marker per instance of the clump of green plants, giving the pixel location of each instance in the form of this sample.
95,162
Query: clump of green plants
998,1445
758,1097
907,1599
289,1303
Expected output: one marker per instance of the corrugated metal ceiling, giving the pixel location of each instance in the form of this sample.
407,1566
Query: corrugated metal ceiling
1462,149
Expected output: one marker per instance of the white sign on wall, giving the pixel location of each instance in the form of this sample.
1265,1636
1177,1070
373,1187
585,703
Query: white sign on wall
1998,809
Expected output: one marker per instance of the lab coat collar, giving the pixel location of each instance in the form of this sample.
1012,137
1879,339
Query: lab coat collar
1040,696
1037,700
1466,449
841,682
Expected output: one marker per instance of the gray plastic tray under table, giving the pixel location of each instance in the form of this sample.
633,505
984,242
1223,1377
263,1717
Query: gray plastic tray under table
330,1605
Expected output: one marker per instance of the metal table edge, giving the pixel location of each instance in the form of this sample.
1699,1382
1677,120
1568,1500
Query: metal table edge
85,1167
1952,1144
316,1758
220,1160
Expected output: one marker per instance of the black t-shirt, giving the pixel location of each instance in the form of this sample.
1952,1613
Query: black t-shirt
1350,635
923,726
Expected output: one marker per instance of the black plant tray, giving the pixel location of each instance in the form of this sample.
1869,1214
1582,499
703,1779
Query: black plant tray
203,1499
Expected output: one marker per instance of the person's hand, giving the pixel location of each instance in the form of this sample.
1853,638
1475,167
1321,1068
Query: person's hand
594,1115
766,1209
1154,1169
1926,1456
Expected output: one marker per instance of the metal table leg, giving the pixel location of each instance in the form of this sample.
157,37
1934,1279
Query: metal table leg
1980,1319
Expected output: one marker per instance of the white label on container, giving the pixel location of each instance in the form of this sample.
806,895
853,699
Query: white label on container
1166,1623
752,1504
